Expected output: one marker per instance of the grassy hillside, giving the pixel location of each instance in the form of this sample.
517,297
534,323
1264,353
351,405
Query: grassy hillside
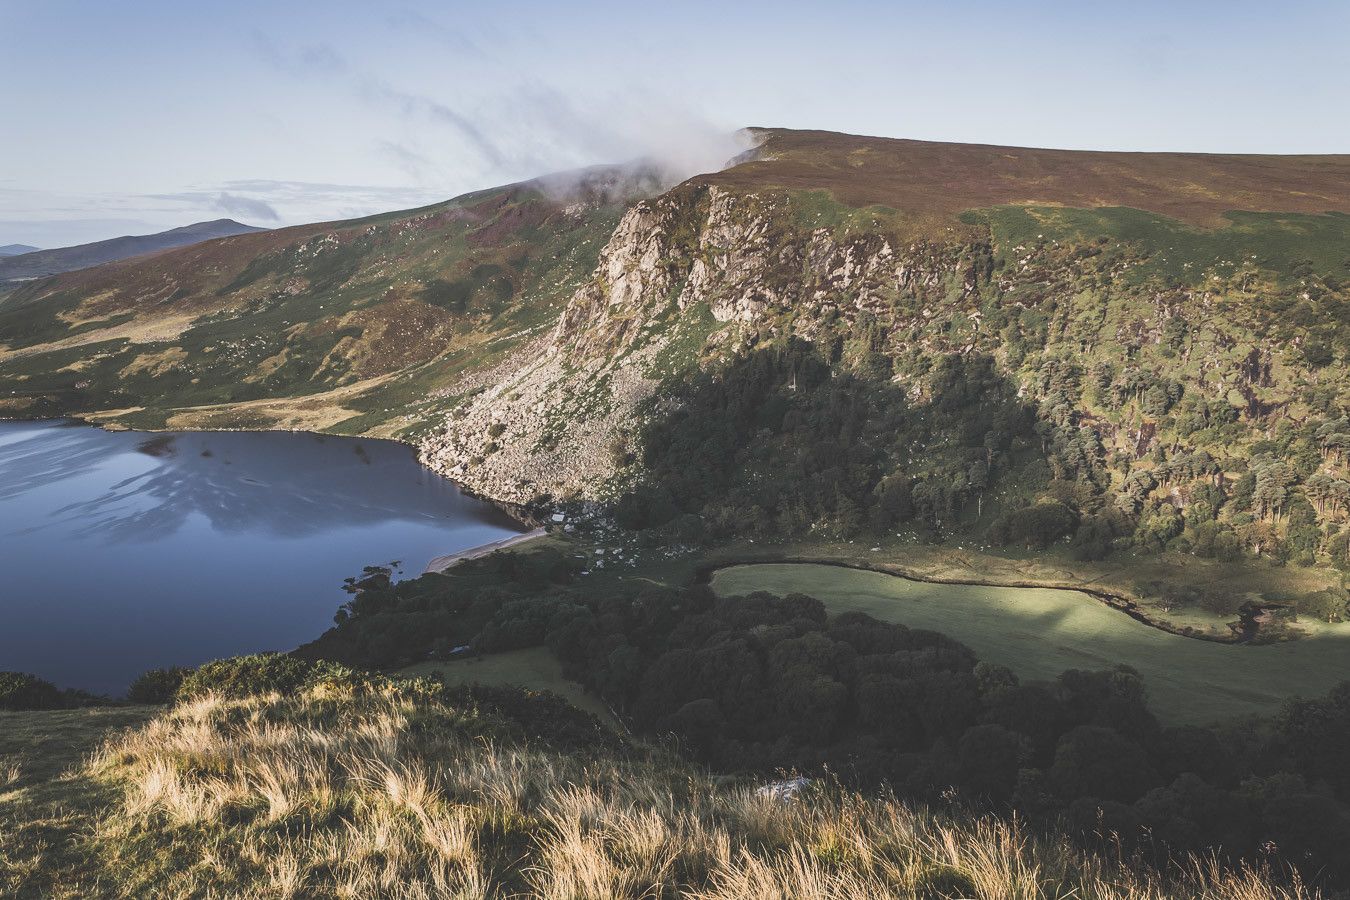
402,790
930,183
839,338
532,668
41,263
1110,358
347,326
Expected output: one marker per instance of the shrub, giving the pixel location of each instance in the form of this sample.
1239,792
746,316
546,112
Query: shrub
1328,605
1036,527
243,676
1220,603
157,685
19,690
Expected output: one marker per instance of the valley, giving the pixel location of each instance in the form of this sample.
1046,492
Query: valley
840,450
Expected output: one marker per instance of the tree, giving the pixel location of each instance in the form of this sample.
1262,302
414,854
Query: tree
700,722
1190,815
1329,606
21,691
1092,761
812,707
989,757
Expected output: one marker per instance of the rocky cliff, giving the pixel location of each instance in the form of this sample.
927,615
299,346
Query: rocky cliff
685,278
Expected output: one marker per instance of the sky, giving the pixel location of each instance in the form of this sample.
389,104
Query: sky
134,116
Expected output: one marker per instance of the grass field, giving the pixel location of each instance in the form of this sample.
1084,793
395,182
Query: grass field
1136,576
1039,632
534,668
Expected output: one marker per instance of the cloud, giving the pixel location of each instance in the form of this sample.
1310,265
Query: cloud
249,207
292,202
411,105
324,61
412,21
461,120
415,165
515,128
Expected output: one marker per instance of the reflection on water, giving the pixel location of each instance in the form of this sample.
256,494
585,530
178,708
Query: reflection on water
123,550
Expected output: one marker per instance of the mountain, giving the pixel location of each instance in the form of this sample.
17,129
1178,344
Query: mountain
835,334
988,370
16,249
28,263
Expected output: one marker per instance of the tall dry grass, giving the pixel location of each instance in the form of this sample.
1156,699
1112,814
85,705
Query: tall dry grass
377,794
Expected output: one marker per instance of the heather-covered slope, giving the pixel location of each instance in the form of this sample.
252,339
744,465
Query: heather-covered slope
347,325
930,182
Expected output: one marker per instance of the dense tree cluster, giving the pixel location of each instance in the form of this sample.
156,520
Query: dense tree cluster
786,441
388,624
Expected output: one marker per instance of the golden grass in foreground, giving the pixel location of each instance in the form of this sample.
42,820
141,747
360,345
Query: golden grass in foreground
390,793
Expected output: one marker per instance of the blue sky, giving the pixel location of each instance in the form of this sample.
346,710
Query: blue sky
138,115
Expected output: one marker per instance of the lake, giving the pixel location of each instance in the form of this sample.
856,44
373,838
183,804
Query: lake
123,551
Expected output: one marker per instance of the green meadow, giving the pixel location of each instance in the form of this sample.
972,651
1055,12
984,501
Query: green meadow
1040,632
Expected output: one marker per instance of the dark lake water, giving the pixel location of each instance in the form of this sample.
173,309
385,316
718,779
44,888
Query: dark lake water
122,551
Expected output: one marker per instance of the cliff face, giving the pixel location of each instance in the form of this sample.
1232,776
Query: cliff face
685,278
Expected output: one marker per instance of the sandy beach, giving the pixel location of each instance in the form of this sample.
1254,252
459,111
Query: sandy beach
441,563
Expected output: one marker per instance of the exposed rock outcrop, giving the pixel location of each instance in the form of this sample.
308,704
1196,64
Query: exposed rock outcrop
560,417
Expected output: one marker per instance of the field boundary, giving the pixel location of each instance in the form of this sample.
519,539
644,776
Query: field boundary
1242,632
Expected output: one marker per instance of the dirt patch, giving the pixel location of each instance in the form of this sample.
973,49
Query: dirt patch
155,364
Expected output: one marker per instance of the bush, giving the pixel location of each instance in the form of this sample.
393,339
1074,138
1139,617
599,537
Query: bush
157,685
1328,605
19,690
242,676
1036,527
1221,604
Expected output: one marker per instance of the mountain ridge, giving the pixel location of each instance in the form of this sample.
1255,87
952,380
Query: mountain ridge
37,263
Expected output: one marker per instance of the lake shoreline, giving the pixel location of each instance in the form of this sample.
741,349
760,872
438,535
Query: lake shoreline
516,511
441,564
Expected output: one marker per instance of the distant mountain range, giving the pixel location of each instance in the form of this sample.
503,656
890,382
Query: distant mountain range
19,262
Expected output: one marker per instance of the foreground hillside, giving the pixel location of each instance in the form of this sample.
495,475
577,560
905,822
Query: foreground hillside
353,787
